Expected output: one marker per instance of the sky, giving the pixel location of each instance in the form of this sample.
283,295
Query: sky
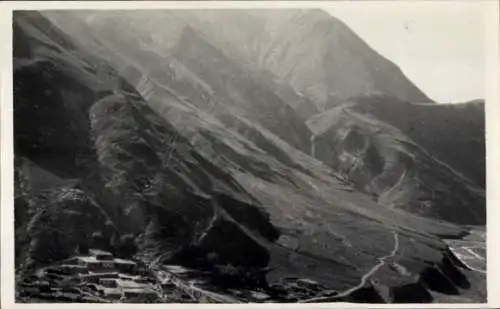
440,47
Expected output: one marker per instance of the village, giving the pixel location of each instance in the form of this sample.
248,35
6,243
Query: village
100,277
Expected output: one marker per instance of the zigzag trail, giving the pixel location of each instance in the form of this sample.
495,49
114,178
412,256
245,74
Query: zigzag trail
363,279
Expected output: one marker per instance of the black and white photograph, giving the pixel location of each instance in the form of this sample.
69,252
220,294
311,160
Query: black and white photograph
233,155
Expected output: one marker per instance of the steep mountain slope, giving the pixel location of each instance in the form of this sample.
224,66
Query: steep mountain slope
336,63
139,169
454,133
384,162
177,59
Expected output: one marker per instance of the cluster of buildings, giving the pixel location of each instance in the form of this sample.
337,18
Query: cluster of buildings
96,277
100,277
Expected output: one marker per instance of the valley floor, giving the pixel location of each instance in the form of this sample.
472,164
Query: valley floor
99,277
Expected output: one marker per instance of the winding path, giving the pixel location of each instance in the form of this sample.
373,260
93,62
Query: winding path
381,262
394,187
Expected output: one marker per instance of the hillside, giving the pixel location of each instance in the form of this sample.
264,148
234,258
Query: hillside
385,162
270,44
453,133
170,158
336,63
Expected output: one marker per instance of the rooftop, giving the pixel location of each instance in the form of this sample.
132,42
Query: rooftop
111,274
109,291
176,269
72,266
88,259
99,252
139,291
127,277
122,261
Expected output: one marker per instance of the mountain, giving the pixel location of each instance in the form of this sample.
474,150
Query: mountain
453,133
213,69
385,160
180,155
336,63
218,86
